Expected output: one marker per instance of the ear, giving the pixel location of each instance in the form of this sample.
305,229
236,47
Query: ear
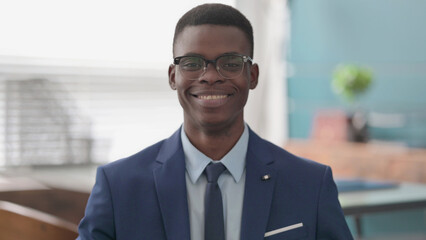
172,74
254,75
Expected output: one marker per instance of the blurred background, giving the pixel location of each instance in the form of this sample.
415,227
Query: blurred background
84,83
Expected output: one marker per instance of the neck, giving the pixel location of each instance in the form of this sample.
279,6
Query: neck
214,143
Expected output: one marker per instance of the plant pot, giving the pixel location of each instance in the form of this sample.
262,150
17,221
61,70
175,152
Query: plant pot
357,127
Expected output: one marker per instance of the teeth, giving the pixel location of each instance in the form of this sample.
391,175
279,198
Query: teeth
212,97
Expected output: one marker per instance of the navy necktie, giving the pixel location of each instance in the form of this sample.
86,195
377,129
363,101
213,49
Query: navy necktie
213,220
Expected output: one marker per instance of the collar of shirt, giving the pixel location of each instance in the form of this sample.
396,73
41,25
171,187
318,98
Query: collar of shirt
234,160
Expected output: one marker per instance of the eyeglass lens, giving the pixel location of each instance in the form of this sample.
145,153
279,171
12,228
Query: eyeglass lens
228,66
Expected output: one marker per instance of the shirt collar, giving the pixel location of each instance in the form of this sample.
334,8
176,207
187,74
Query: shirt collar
234,160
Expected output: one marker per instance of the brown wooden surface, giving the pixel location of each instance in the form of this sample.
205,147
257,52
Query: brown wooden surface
65,204
380,161
23,223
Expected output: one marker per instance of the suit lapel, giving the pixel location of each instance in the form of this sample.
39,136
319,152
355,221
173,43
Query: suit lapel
171,188
258,190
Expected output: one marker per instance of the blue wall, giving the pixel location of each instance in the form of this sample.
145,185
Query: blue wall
388,36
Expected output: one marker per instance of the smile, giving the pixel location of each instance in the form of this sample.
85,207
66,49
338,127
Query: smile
212,97
212,100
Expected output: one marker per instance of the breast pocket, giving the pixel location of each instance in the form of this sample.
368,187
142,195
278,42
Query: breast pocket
295,231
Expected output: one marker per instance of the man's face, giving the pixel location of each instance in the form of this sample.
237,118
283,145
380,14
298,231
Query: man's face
212,101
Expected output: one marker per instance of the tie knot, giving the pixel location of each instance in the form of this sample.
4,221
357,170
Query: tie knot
213,171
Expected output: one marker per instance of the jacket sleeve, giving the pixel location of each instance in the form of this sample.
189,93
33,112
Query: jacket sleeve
331,221
98,222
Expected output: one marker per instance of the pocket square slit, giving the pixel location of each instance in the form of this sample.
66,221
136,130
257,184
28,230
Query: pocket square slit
280,230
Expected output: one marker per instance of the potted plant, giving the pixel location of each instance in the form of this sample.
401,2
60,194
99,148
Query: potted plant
350,82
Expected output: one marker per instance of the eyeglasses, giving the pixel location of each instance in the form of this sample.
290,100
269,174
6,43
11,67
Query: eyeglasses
228,65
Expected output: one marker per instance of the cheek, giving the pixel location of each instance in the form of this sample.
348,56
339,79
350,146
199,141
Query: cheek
182,101
182,95
245,93
244,86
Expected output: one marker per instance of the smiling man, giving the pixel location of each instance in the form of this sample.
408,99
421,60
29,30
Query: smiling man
213,92
214,178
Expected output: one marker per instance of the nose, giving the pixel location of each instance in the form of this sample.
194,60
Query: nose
211,74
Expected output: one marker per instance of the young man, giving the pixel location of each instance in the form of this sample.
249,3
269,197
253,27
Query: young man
167,190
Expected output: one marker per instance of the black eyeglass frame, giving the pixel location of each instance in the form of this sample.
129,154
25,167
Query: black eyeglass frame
245,58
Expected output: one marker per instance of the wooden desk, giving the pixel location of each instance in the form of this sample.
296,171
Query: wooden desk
21,223
376,161
51,191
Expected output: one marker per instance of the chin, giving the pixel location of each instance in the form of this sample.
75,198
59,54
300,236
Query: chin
217,124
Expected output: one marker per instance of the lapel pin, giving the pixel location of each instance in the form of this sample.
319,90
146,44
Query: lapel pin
266,177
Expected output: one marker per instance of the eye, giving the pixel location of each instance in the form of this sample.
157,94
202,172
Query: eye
191,63
231,63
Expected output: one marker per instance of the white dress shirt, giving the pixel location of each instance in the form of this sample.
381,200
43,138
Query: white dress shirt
231,183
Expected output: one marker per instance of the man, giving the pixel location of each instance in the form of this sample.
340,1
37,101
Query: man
263,192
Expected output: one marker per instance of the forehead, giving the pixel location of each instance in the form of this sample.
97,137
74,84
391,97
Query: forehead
211,41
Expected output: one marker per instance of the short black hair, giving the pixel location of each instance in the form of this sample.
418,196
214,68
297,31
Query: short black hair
216,14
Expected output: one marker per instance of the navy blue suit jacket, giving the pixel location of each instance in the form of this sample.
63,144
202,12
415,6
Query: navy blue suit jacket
144,197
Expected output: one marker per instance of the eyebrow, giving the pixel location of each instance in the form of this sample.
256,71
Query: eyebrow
191,54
